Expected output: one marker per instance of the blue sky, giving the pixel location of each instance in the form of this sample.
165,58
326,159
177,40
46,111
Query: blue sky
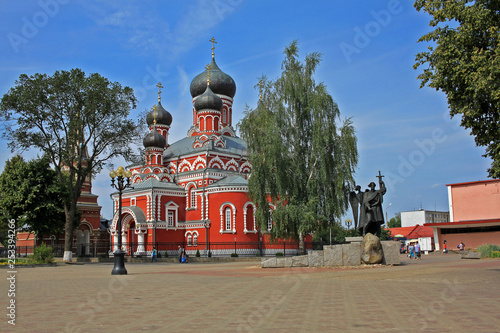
368,50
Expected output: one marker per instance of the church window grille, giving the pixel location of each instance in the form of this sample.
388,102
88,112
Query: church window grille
170,218
227,214
189,240
195,240
192,196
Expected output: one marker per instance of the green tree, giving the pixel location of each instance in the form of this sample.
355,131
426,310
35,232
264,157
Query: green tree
33,196
302,161
463,61
80,122
395,222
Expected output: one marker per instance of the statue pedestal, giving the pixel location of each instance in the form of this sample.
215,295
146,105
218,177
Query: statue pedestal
358,239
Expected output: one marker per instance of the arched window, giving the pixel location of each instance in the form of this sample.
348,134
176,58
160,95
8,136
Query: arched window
227,218
195,240
189,240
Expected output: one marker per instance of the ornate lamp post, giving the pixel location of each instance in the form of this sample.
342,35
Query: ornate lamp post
348,223
120,174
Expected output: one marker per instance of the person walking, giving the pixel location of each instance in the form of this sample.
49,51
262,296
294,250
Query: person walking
445,247
181,252
411,249
153,255
417,251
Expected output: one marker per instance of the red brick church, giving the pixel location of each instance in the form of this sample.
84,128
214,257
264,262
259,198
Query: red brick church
194,191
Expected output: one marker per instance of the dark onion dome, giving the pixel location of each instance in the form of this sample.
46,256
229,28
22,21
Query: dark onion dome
208,100
220,82
154,139
163,117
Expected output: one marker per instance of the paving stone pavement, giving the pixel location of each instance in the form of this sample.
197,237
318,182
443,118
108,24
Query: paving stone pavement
441,293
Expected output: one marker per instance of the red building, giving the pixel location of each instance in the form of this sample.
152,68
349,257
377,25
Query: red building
474,215
193,192
90,238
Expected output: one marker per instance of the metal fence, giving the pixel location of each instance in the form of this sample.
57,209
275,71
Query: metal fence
171,249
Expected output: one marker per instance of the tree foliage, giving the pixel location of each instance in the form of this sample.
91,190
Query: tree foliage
464,62
80,122
32,195
302,161
395,222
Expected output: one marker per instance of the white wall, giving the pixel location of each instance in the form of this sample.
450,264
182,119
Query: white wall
410,219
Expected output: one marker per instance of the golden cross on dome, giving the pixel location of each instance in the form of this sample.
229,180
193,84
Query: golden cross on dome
212,40
207,67
155,114
159,91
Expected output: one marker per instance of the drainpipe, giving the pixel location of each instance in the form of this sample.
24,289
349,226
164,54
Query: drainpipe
204,201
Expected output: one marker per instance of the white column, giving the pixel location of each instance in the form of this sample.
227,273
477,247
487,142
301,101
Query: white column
140,241
124,240
115,242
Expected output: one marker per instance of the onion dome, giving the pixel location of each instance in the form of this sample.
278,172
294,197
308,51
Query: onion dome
163,117
154,139
220,82
208,100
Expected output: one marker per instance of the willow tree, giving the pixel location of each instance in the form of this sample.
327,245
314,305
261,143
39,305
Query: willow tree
463,61
78,121
303,155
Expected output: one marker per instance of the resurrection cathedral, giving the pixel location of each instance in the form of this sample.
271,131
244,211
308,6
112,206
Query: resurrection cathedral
192,192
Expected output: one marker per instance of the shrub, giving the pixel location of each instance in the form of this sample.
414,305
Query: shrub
197,253
42,254
495,254
487,250
209,254
234,255
279,254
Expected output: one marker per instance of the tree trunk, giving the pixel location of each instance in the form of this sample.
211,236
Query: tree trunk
302,246
68,233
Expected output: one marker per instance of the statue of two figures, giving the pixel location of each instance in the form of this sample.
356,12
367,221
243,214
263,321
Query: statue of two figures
369,206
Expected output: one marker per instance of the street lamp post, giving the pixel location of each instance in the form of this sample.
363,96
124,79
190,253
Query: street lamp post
348,223
386,219
120,174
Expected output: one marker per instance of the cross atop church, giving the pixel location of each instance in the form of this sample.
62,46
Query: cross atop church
159,91
207,67
155,113
212,40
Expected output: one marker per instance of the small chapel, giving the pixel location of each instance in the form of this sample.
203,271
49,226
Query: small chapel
193,192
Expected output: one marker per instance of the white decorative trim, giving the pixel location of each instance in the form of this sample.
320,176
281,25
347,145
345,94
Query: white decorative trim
233,222
185,164
216,161
232,165
196,162
245,208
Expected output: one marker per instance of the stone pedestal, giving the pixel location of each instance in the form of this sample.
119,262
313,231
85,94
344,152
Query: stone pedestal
391,252
351,254
316,259
332,255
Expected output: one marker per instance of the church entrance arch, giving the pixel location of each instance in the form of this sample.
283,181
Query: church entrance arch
131,240
83,241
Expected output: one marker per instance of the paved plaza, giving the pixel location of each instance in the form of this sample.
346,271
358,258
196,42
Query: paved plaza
441,293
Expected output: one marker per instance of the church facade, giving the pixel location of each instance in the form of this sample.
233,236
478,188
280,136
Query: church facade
193,192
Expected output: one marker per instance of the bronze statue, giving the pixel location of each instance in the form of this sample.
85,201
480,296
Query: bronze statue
371,215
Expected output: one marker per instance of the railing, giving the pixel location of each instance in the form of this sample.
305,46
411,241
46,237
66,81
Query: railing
171,249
